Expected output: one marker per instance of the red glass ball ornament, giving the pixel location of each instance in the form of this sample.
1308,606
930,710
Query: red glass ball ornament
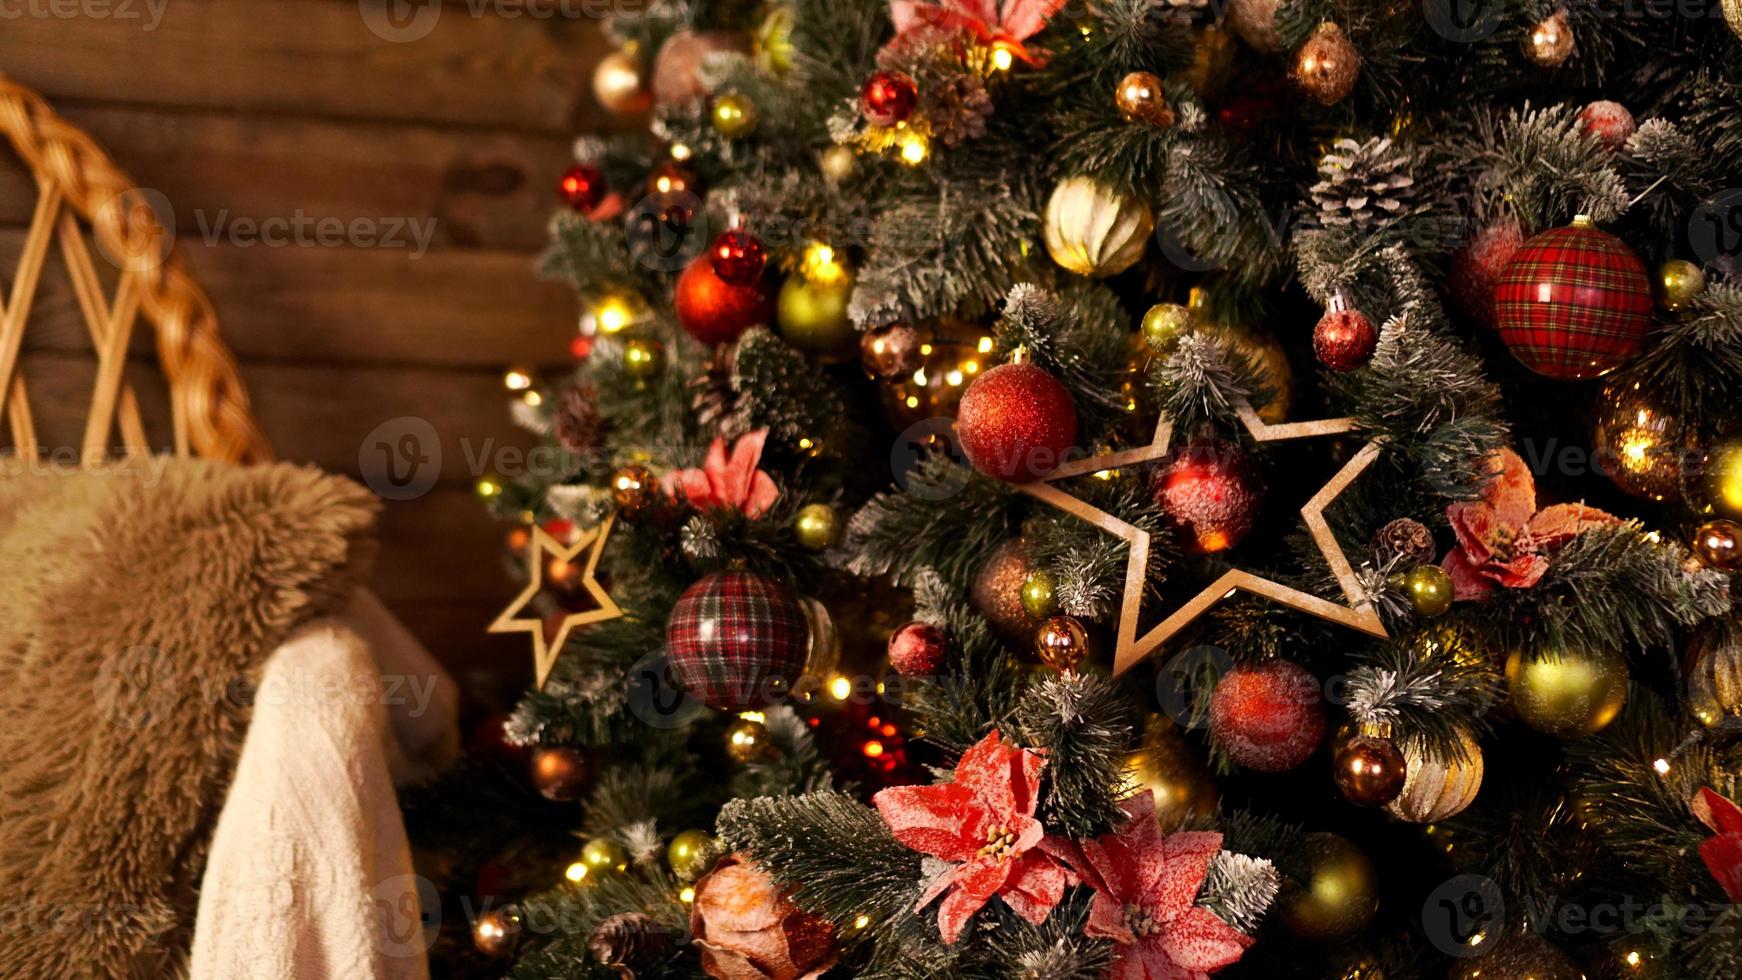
582,188
1575,302
715,311
1344,340
1609,121
888,97
1476,268
738,257
1210,491
1269,716
1016,422
917,650
560,772
736,639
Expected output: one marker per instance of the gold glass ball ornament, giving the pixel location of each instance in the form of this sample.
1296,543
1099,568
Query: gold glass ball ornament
1713,481
633,489
747,740
1093,230
1061,642
812,313
1642,448
1163,326
733,115
1678,283
1339,895
1327,65
1038,594
690,853
496,931
1434,789
1550,41
643,358
604,856
1718,544
1140,99
1713,665
1453,641
1733,16
620,84
817,526
1173,773
1567,693
1429,589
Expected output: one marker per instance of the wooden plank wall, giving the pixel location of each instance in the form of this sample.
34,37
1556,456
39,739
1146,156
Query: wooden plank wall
288,109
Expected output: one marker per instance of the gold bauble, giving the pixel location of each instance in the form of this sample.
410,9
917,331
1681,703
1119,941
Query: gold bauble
1259,346
1039,597
733,115
817,526
1714,670
1093,230
1338,897
603,856
1436,789
813,316
620,84
1141,100
1678,283
1255,22
1567,693
774,48
1641,447
997,590
952,354
838,163
1718,544
643,358
1550,42
495,931
1429,589
1212,61
1733,16
1061,642
747,740
1166,766
1518,956
1713,484
690,853
1327,65
1164,325
1453,642
633,488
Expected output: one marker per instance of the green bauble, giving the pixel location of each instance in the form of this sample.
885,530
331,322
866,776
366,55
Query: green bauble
813,317
1164,325
1037,594
690,853
603,856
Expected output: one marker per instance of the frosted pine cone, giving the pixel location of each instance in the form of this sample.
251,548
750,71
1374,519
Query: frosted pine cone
1363,183
957,106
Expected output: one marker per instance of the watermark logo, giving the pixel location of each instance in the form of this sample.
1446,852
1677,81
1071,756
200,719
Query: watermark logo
136,229
917,442
401,458
656,698
400,21
1463,21
1715,227
1464,916
409,909
137,686
148,12
666,231
1183,684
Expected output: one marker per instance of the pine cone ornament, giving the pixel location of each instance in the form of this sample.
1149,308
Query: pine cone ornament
711,393
578,423
626,940
1404,541
1363,183
957,107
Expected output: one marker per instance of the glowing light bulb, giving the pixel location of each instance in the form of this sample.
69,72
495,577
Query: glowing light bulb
576,872
517,379
914,150
840,687
1002,57
612,316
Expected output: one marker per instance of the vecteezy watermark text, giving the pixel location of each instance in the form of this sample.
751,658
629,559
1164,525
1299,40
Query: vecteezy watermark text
302,230
149,13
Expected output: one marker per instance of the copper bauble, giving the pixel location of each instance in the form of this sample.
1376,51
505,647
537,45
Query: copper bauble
677,70
1550,41
1369,770
1641,447
620,84
889,350
560,772
495,931
1141,100
1567,693
951,354
1436,789
633,488
1714,670
1718,544
1174,774
1061,643
997,590
1327,65
1339,895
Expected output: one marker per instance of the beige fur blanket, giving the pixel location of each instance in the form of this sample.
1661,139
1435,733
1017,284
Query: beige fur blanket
136,609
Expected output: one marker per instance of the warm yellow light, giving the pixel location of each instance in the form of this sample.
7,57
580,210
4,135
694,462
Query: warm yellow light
1661,766
914,150
820,265
840,687
1633,957
861,922
687,896
532,397
873,749
517,379
612,316
984,346
755,716
912,401
488,487
804,442
1002,59
680,151
925,350
576,872
919,377
662,184
953,378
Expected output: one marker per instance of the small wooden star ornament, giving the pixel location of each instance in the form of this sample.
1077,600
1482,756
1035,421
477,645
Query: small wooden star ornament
1359,614
545,651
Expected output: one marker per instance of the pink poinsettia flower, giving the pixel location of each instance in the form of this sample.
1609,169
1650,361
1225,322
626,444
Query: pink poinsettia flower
983,824
1146,887
1503,538
988,21
1723,853
732,482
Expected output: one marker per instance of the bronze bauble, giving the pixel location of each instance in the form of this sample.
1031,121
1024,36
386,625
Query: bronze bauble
1141,100
560,772
1327,65
1718,544
620,84
1550,42
997,591
1339,896
1061,642
1368,770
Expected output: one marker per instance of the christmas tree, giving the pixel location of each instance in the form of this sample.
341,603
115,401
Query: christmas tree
1132,489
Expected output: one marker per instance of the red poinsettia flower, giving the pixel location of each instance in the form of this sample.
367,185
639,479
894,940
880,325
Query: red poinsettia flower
1503,537
988,21
1723,853
983,824
1146,887
732,482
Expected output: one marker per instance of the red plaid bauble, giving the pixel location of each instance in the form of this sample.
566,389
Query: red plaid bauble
735,639
1574,302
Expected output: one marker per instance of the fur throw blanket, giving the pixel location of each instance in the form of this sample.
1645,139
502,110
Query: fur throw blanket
137,605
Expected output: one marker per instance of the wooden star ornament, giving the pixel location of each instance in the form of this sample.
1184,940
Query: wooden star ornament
1358,614
542,544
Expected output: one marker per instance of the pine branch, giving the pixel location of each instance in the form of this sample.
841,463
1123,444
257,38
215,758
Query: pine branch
1086,729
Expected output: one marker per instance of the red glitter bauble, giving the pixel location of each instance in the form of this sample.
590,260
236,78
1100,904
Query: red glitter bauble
1476,268
1574,302
582,187
1016,421
1609,121
1210,491
888,97
1344,340
917,650
738,257
1269,716
715,311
